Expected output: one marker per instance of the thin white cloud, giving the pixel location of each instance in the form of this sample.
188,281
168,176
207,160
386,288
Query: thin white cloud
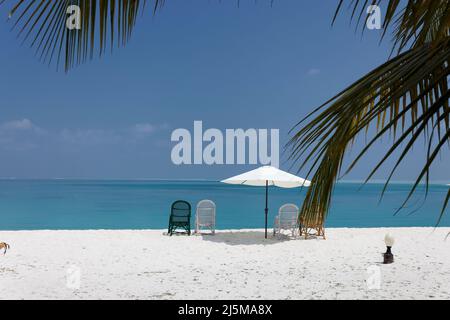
90,136
23,134
313,72
20,135
144,128
20,125
24,124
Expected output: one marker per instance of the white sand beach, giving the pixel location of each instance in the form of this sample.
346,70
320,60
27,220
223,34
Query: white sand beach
230,265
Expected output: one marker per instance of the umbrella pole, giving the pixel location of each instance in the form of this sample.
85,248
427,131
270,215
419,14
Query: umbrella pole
266,210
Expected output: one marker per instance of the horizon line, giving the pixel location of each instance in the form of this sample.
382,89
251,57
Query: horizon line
362,181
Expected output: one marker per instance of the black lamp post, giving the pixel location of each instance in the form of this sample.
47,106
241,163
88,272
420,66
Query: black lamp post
388,257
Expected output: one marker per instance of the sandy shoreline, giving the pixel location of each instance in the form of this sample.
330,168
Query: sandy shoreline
240,264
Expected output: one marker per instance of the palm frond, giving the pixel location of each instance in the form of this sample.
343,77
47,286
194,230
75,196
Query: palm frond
414,24
406,97
44,22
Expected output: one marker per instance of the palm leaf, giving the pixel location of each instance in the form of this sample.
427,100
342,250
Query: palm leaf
407,97
44,22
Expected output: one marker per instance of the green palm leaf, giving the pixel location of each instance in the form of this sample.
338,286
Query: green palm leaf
407,97
44,22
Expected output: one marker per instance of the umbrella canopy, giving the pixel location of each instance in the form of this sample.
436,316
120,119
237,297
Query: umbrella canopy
273,176
268,176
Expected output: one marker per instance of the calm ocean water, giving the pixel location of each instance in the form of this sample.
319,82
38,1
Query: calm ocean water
67,204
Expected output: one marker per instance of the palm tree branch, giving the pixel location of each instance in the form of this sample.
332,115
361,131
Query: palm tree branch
44,22
415,78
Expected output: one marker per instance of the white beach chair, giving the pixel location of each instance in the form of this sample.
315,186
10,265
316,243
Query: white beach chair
287,219
205,216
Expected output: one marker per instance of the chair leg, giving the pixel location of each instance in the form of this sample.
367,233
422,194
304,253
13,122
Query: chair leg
276,227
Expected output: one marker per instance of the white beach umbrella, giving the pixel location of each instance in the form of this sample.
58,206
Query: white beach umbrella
268,176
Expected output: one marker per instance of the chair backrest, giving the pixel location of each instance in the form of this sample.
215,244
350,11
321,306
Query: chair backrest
180,211
288,215
206,211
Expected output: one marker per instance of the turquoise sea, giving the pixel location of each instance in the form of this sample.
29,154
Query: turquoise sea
82,204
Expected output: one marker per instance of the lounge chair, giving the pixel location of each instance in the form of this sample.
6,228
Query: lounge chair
180,217
287,219
205,216
312,228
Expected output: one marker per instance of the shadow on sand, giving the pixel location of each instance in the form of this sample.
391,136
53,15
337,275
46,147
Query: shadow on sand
238,238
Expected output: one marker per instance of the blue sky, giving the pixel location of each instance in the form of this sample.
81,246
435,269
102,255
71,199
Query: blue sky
255,66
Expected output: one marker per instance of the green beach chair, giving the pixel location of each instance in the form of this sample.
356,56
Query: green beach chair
180,217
